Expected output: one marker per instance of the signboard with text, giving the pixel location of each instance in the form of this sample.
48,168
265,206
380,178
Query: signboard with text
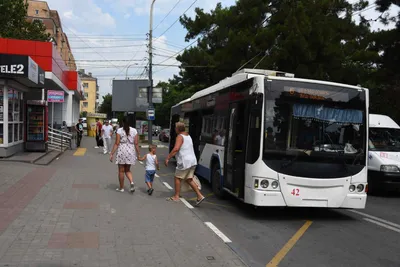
22,68
55,96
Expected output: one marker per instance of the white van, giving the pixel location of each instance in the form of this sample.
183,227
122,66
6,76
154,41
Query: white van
384,154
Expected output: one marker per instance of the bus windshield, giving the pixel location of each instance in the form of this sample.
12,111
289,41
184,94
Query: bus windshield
384,139
310,122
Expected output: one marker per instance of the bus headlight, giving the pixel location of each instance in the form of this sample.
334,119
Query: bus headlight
275,184
360,187
389,168
352,188
264,183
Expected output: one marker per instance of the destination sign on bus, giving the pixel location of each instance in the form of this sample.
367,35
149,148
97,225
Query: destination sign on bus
316,94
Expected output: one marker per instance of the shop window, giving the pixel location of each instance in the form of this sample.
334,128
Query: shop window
1,116
15,117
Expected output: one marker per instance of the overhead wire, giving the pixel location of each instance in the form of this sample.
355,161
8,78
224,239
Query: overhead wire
167,14
84,42
176,20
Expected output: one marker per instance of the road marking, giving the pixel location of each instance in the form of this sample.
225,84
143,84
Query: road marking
187,204
289,245
167,185
376,218
383,225
218,232
80,152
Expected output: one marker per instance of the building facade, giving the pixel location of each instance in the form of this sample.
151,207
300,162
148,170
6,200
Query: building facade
39,10
30,71
90,92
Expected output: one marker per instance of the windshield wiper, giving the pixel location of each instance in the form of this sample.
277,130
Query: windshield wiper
361,152
338,153
305,151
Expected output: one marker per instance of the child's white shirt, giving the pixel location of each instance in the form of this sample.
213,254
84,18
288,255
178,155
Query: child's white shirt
150,162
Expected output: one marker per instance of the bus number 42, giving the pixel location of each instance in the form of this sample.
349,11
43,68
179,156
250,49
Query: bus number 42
295,192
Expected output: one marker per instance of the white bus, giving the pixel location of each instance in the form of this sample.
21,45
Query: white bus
271,139
384,154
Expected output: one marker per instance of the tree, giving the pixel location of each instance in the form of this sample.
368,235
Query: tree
312,39
106,105
385,83
14,24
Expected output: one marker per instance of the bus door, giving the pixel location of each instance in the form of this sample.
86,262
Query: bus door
172,133
195,123
235,153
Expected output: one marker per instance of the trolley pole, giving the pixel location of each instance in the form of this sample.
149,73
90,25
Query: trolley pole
150,93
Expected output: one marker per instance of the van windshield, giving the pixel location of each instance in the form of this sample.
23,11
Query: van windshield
384,139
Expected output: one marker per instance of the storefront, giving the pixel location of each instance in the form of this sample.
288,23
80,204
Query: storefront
18,75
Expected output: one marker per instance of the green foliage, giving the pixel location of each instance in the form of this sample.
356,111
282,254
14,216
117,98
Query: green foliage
173,93
312,39
14,24
106,105
83,114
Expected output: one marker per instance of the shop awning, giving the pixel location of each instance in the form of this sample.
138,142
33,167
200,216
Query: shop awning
52,82
22,69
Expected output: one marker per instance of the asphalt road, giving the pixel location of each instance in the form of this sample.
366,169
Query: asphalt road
369,237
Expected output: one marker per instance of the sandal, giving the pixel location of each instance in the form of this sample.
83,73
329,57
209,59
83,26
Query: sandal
173,200
198,202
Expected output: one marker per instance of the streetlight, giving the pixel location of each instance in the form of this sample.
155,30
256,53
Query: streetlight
126,73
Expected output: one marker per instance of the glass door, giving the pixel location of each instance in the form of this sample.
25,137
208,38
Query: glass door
35,123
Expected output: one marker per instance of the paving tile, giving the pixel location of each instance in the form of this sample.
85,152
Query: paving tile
76,218
80,205
85,186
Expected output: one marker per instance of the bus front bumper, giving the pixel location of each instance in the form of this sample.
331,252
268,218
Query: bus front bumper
275,199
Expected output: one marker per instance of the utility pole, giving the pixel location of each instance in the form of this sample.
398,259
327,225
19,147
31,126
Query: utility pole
150,93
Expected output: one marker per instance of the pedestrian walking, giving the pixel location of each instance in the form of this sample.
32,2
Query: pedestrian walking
151,165
186,163
107,132
127,147
79,131
99,126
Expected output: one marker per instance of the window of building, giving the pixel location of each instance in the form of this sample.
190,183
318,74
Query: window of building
85,85
1,116
37,11
86,95
85,104
15,118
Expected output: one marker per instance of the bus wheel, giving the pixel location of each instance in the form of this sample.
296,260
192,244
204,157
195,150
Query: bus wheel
216,181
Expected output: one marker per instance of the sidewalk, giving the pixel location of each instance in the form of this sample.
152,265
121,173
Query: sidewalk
69,214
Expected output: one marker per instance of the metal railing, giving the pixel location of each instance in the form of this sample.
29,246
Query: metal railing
59,140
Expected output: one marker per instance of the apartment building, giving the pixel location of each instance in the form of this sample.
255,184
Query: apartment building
90,91
40,10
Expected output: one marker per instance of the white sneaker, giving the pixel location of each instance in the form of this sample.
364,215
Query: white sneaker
120,190
105,153
96,147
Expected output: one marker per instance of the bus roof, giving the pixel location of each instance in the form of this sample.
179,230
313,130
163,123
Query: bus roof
245,74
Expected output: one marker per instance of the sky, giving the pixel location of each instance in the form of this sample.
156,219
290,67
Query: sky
109,37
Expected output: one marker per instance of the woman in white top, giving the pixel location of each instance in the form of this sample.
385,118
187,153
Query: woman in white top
126,143
186,162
